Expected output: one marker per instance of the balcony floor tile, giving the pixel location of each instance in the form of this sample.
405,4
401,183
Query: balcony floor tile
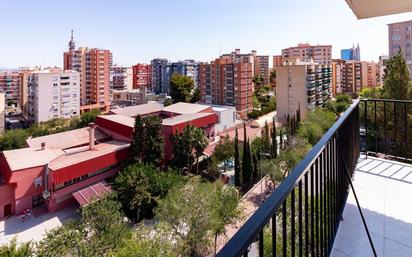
384,190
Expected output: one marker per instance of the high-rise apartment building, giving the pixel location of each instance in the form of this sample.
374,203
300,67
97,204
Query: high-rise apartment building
10,85
358,75
262,67
321,54
337,67
94,66
228,81
277,60
53,94
122,78
301,85
160,76
400,38
189,68
350,53
142,76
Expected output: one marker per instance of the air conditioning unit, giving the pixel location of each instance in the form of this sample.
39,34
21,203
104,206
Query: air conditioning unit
46,195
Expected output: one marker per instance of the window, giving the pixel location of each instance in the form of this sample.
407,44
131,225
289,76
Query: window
38,182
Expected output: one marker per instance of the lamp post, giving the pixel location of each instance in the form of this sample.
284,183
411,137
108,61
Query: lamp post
261,174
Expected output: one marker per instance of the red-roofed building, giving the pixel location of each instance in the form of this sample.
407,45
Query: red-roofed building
58,170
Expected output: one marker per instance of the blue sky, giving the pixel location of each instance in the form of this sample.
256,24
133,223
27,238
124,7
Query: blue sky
37,32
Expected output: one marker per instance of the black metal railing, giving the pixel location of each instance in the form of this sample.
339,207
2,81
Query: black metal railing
301,217
386,128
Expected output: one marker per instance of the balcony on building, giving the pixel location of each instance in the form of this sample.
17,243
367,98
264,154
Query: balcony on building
349,196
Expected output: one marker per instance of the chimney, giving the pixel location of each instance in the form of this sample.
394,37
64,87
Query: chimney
43,145
92,126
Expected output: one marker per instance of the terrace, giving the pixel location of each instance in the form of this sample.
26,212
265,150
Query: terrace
348,197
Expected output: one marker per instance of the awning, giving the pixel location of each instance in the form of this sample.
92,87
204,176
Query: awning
92,193
374,8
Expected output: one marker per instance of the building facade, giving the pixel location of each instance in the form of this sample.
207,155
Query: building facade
122,78
53,94
337,67
351,54
277,60
228,82
10,85
400,38
94,66
358,75
262,68
189,68
130,97
303,86
142,76
160,76
321,54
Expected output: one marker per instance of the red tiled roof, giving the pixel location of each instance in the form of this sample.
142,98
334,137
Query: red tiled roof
91,193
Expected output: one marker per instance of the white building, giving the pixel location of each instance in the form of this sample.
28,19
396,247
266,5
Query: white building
53,94
226,117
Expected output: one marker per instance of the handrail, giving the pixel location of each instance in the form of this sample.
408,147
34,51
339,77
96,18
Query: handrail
245,236
385,100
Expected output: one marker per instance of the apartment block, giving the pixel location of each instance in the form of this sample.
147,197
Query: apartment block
358,75
321,54
122,78
301,85
337,67
228,81
189,68
53,94
277,60
142,76
399,35
94,66
160,76
130,97
262,67
10,85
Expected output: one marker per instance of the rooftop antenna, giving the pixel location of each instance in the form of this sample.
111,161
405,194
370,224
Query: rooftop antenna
72,45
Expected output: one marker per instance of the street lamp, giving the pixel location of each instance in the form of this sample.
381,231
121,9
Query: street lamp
261,174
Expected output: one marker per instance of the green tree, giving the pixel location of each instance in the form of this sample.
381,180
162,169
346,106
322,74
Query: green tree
274,145
192,139
88,117
138,139
247,162
238,179
154,141
181,88
196,211
224,209
224,151
139,187
13,139
186,210
266,139
195,96
258,80
61,241
12,249
149,243
397,83
167,102
199,143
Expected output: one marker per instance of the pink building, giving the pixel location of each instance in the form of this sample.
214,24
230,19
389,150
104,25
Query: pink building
58,170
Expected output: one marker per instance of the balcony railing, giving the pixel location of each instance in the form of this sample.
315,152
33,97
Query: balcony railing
386,128
304,211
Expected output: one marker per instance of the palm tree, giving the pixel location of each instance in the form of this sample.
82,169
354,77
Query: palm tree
200,143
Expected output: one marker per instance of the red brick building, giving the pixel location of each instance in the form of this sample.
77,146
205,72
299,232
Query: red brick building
58,170
142,75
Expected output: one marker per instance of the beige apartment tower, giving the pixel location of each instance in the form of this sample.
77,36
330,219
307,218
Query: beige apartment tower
400,38
301,85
